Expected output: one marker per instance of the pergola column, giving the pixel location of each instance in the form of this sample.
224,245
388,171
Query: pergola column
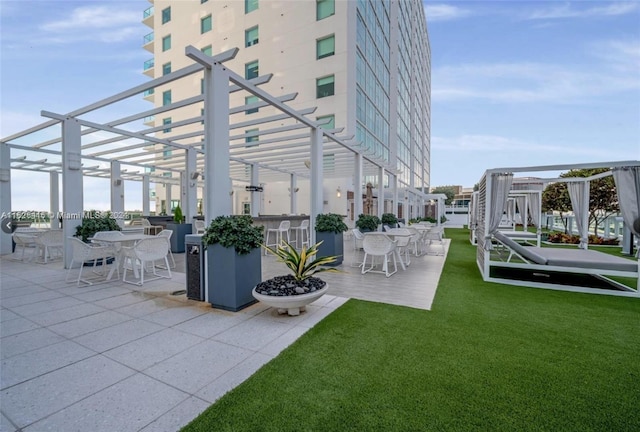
380,191
216,142
357,183
72,187
117,193
190,197
5,198
294,194
54,200
395,195
316,180
255,196
145,195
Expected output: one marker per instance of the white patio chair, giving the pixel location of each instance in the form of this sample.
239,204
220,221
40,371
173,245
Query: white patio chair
150,229
401,224
358,238
27,243
167,234
434,236
199,226
379,245
49,245
83,252
145,251
416,240
302,233
403,244
278,234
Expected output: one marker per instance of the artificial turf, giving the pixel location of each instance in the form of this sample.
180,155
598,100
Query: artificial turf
487,357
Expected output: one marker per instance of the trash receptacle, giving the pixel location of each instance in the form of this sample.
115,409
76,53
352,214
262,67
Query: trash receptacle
194,266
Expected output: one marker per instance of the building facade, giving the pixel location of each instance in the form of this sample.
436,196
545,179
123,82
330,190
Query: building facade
364,64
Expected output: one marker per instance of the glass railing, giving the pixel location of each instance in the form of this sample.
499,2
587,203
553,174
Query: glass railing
149,64
147,38
149,119
147,13
148,92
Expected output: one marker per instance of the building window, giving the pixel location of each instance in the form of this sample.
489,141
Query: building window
325,8
251,36
250,5
205,24
166,154
249,100
251,139
251,70
166,97
166,121
166,15
166,43
325,86
207,50
329,125
325,47
166,68
203,1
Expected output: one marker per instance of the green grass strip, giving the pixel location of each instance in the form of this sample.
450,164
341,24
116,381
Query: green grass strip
488,357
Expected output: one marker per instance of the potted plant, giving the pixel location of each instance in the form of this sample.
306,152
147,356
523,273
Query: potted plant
179,229
367,223
389,219
233,260
95,221
329,228
291,293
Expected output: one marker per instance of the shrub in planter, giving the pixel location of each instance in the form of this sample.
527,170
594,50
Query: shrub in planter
330,223
329,228
95,221
366,223
389,219
177,215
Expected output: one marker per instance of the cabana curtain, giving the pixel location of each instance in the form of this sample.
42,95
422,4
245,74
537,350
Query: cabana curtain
500,186
579,195
534,208
522,211
628,186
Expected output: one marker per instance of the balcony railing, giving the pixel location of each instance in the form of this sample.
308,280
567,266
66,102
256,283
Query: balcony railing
147,13
148,92
149,119
147,38
149,64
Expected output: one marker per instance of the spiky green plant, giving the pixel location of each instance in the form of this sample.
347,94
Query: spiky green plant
302,264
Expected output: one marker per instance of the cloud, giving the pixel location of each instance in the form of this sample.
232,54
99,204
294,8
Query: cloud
567,11
443,12
94,17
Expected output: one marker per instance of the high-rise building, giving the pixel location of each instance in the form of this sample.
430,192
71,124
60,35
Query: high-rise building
365,65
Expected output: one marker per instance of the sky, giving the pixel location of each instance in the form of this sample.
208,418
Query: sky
514,83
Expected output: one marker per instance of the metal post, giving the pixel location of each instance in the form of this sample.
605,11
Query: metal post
5,199
54,200
316,180
117,193
357,183
72,196
167,198
190,199
380,192
293,189
395,195
145,196
255,196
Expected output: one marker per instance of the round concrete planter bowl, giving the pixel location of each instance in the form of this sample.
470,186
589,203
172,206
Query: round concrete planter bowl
293,304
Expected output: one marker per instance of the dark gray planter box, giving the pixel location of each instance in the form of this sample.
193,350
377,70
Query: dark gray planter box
332,244
177,238
232,277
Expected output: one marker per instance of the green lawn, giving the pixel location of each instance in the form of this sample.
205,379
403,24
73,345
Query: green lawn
487,357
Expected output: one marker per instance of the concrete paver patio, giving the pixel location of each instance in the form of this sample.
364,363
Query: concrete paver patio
115,357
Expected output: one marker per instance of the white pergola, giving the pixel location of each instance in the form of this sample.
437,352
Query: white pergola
210,151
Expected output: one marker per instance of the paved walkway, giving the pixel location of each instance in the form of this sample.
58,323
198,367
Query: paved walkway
115,357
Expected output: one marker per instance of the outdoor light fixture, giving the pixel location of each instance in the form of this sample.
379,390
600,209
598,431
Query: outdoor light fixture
5,175
338,192
73,161
195,175
117,182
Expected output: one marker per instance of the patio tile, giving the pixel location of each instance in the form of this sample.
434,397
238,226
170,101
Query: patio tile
17,325
42,396
67,314
6,315
122,300
155,348
211,324
19,289
6,425
119,334
179,416
27,298
27,341
46,306
99,294
124,407
29,365
274,347
155,304
233,377
175,315
199,365
88,324
253,334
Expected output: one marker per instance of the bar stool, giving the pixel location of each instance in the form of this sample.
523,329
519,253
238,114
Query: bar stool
279,233
302,234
